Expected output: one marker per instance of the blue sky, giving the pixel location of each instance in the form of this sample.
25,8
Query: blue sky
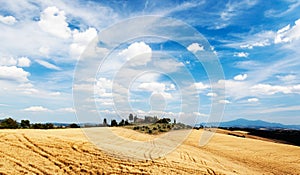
256,43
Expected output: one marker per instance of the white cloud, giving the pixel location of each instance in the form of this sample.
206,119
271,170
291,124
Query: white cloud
211,94
47,65
81,41
279,13
10,20
136,49
234,89
267,89
240,77
53,21
262,43
234,8
71,110
261,39
224,102
36,109
288,34
13,73
287,78
23,62
168,65
27,88
103,87
201,86
241,54
8,61
253,100
195,47
55,93
44,51
153,86
200,114
171,87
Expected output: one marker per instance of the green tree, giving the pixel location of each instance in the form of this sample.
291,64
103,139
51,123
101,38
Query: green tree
48,126
104,122
25,124
126,122
130,117
122,122
74,125
9,123
164,120
113,123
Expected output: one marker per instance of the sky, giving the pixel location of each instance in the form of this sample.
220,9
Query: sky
190,60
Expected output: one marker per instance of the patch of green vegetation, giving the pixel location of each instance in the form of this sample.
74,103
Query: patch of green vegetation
158,128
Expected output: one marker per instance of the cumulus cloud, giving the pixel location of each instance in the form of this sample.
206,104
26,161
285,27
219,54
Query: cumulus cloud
168,65
195,47
103,87
241,54
47,65
267,89
288,33
235,89
155,88
44,51
287,78
27,88
81,41
200,114
224,101
136,49
261,39
71,110
211,94
253,100
10,20
23,62
36,109
171,87
8,61
13,73
201,86
53,21
240,77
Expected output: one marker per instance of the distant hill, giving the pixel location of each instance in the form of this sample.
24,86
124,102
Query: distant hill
244,123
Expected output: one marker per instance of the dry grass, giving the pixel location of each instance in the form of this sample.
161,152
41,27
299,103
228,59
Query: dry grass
68,151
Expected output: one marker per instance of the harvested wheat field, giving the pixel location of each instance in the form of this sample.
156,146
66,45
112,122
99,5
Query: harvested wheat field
67,151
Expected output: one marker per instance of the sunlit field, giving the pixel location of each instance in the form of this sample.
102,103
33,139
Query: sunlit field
68,151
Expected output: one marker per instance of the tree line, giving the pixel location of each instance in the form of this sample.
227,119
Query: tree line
9,123
136,120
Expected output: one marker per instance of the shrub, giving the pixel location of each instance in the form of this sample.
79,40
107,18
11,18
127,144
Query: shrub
136,128
74,125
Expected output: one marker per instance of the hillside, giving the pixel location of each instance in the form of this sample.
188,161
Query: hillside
244,123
